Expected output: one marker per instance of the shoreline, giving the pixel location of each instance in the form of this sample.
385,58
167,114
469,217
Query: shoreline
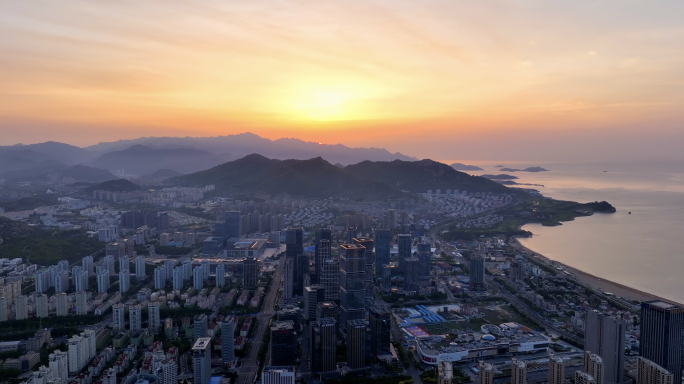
594,281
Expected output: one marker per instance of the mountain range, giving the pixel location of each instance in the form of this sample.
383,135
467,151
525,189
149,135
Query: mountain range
317,177
147,155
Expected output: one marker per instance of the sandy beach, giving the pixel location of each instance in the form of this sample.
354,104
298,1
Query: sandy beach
595,281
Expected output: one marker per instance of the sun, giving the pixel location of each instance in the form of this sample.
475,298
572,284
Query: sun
322,105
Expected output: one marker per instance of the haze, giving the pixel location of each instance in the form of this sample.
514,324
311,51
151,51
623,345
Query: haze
524,80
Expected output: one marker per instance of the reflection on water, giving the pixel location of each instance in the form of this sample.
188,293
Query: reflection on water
642,249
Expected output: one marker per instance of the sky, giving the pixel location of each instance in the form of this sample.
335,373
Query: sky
517,79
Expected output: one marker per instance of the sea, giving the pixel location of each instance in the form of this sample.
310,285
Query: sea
640,246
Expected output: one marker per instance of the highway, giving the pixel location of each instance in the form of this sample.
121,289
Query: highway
250,365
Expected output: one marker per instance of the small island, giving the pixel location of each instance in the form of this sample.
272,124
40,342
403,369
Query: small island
502,176
465,167
528,169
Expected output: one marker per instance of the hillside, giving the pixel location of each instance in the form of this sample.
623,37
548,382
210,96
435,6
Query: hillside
49,172
244,144
465,167
420,176
63,153
141,160
314,177
118,185
317,177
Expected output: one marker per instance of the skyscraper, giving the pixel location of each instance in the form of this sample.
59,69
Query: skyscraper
187,269
154,317
250,270
21,307
278,375
201,360
425,258
518,371
88,265
200,326
283,343
404,249
313,294
321,234
288,279
327,309
206,269
168,267
220,275
411,274
477,273
124,280
294,246
352,289
108,263
103,282
661,335
135,317
198,278
356,344
118,320
556,374
178,278
233,227
649,372
485,375
3,308
228,339
379,322
323,345
329,273
382,249
140,267
81,303
61,304
59,364
605,336
386,276
41,305
159,277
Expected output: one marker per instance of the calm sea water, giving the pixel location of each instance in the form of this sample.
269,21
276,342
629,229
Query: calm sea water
643,250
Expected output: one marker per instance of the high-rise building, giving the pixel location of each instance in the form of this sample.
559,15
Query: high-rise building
425,258
294,247
124,281
168,267
220,275
159,277
288,279
382,249
81,303
201,360
445,372
61,304
135,317
88,265
103,281
108,263
198,278
228,339
21,306
605,336
404,249
187,269
386,276
140,267
59,364
200,326
313,294
154,317
118,320
411,274
41,305
392,219
584,378
62,281
320,235
356,344
3,308
369,244
593,365
278,375
206,269
330,276
380,326
649,372
518,371
283,342
327,309
477,273
323,345
124,262
352,287
661,335
167,372
485,374
233,227
556,374
178,278
250,269
517,272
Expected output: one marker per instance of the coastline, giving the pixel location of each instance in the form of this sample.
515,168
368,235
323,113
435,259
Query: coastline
596,282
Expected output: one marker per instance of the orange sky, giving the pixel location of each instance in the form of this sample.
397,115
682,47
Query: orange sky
411,76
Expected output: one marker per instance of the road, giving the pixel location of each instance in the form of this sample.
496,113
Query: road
250,364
